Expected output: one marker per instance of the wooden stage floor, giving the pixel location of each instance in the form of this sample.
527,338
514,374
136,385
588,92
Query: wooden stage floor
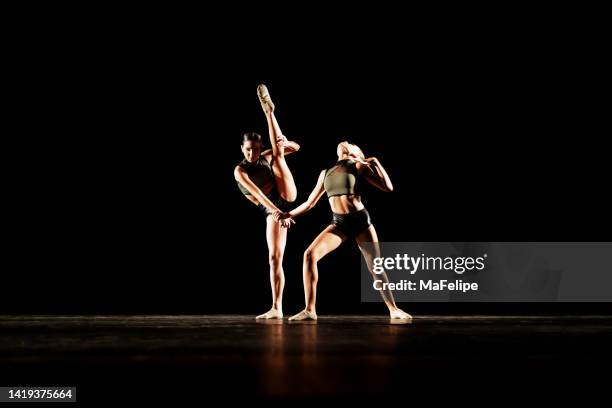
236,356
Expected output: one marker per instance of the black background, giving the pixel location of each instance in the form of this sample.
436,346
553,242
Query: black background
124,201
122,129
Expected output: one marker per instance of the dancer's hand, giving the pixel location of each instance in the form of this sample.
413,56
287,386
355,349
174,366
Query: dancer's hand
368,162
281,141
279,215
283,218
286,223
362,161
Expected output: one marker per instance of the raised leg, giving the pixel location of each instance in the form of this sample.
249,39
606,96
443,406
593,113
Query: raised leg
284,178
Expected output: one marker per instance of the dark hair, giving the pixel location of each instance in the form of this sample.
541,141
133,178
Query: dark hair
251,136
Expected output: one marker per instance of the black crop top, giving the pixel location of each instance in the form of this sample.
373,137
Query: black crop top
260,173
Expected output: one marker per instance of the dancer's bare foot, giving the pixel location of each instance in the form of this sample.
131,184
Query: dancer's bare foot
265,99
271,314
304,315
399,314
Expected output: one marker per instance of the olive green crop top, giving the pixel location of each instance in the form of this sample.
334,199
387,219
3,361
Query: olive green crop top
342,179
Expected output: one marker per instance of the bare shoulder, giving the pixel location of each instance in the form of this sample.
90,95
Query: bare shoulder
238,171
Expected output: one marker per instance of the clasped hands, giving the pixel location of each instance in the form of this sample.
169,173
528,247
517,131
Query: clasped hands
283,218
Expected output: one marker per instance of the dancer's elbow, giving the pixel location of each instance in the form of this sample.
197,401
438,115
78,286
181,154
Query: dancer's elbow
387,188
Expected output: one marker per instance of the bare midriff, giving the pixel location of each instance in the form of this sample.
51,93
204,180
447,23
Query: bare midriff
344,204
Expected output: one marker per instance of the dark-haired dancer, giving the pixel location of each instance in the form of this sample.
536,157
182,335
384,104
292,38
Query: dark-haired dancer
265,179
350,220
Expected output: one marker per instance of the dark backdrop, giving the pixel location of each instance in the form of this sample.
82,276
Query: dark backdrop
124,199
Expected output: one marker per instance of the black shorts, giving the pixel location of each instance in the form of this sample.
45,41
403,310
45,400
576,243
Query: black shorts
352,224
278,202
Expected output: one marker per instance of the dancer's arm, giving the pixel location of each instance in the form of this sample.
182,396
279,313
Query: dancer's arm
312,200
291,147
375,174
242,177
